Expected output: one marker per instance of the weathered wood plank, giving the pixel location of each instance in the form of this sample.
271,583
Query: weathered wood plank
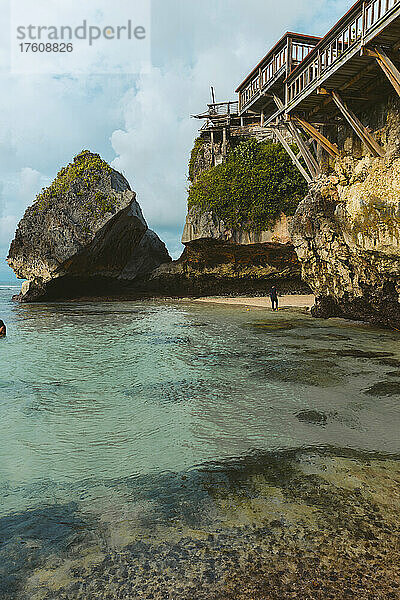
292,155
356,124
387,66
332,149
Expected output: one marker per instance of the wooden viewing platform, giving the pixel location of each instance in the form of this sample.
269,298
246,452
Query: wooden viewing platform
219,114
268,76
304,83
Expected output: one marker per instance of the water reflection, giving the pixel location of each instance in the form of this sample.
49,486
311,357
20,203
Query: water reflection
154,443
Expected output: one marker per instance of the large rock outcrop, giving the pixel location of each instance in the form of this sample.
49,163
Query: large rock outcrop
219,260
347,230
247,259
84,235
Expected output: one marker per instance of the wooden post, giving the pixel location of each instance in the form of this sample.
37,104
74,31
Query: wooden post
387,66
289,58
224,141
262,118
330,148
212,95
288,67
312,164
356,124
364,22
212,147
292,155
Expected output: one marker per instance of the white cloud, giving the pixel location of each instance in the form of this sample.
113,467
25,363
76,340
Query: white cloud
141,123
16,193
104,42
219,43
30,180
153,149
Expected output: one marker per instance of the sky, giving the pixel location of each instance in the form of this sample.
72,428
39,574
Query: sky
139,122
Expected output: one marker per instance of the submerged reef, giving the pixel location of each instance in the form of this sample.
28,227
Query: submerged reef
313,526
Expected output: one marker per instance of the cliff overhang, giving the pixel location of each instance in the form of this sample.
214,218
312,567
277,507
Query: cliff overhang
346,231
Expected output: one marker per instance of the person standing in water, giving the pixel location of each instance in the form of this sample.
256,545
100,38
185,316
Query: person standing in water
3,330
274,298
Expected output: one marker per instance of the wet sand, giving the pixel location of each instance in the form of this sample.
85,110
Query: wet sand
295,300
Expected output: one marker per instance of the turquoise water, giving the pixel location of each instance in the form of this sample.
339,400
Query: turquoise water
149,422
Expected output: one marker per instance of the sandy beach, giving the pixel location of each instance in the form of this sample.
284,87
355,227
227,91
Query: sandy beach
295,300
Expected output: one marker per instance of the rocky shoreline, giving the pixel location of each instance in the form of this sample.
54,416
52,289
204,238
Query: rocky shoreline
85,237
327,529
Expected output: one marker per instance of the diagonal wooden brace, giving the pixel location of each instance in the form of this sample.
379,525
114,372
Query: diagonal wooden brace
356,124
308,157
311,162
292,155
332,149
387,66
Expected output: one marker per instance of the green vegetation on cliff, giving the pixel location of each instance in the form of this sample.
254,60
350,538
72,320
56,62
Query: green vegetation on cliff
83,173
255,184
198,144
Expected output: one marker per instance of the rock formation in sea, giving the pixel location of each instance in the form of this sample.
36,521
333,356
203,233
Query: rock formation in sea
83,235
236,234
347,230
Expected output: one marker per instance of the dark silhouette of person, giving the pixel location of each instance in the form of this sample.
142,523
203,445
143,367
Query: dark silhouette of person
274,298
3,330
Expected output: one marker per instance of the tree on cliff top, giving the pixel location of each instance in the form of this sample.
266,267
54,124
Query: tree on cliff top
255,184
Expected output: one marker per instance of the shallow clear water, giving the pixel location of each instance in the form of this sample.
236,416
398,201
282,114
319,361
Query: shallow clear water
164,423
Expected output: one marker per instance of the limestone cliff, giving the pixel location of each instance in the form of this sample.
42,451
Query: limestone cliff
85,234
202,225
219,261
236,254
347,230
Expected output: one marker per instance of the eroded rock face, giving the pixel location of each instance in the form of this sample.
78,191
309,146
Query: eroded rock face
219,268
221,260
203,225
85,230
347,236
218,261
347,230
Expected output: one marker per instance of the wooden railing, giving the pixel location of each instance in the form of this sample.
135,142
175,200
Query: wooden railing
349,35
223,109
272,68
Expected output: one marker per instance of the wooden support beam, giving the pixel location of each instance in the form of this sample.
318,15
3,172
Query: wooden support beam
278,101
311,162
387,66
292,155
356,124
224,145
344,87
330,148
